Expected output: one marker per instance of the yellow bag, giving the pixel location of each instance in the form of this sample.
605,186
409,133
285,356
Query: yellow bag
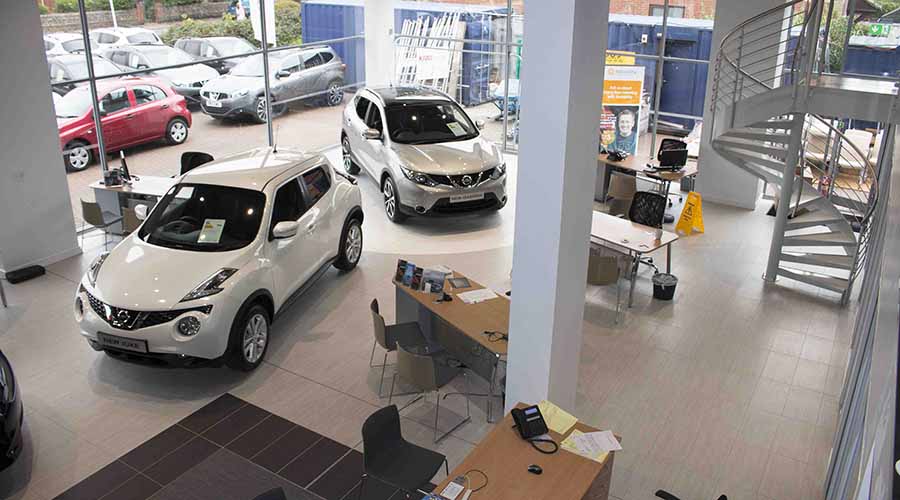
691,216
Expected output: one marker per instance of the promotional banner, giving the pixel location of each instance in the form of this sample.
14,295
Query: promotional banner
622,89
270,20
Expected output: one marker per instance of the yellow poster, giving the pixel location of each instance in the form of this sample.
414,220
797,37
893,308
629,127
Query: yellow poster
619,122
619,58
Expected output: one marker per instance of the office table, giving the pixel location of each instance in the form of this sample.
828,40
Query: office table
459,327
504,457
637,164
631,238
146,189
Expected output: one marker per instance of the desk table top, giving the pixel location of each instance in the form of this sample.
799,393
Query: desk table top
637,163
149,185
635,237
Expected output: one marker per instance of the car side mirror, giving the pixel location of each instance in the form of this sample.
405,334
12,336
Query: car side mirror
140,211
372,134
285,229
479,124
282,74
142,66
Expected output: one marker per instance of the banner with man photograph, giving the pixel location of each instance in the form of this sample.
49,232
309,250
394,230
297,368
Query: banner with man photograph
622,89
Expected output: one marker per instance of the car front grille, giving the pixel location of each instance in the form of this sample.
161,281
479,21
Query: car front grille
216,96
199,84
127,319
460,181
445,207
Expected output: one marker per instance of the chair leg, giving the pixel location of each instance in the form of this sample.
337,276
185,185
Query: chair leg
391,395
362,486
383,366
437,410
372,356
618,299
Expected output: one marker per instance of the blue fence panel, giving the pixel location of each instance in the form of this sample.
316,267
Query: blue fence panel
872,61
326,21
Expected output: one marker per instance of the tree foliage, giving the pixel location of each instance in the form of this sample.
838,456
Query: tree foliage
287,26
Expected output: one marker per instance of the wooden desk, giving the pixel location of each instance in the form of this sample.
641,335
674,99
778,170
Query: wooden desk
504,457
632,239
146,189
459,327
637,164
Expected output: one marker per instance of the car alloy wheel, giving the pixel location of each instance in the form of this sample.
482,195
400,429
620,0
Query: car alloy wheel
345,151
261,109
79,157
354,243
178,131
390,199
256,334
335,94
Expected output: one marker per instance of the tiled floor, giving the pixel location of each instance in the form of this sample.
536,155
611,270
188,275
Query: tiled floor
732,387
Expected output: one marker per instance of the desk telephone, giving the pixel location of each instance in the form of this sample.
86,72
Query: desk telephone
531,425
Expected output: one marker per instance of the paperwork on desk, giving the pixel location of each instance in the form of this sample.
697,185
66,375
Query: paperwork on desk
593,445
557,419
476,296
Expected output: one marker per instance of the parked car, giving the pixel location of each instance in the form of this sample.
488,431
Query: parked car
133,111
316,73
427,156
11,414
65,43
116,37
70,67
222,253
186,80
214,47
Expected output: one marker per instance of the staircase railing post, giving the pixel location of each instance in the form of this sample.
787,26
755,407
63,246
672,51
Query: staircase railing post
784,199
738,77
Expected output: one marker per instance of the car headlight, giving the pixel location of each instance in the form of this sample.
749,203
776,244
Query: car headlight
418,177
188,326
211,286
94,270
499,171
241,93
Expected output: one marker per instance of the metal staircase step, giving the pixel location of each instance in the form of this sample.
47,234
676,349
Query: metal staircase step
832,283
844,262
812,218
849,203
757,159
770,175
778,124
830,239
758,135
756,147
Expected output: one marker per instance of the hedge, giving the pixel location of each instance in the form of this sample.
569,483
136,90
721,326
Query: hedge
287,26
169,3
92,5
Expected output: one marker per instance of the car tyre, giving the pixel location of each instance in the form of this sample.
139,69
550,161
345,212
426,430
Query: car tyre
176,131
249,339
259,115
350,248
391,200
77,156
334,93
349,165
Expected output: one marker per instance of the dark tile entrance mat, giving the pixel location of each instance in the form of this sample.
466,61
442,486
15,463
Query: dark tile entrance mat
233,450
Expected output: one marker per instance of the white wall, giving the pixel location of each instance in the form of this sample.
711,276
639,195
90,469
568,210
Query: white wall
378,26
719,180
36,222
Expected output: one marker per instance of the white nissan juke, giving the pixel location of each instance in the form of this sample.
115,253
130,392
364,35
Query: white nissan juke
229,246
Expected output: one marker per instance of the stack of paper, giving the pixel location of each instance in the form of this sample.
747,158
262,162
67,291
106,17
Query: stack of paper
557,419
593,445
476,296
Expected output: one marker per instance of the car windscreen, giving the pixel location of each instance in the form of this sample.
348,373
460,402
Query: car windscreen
102,67
231,46
74,104
428,122
205,218
166,56
141,38
77,45
253,65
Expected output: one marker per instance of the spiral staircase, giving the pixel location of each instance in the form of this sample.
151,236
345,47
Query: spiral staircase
777,117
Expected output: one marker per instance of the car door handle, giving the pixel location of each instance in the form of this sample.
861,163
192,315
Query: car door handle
129,116
164,106
310,228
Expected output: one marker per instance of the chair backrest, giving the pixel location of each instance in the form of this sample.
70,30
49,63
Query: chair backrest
379,327
602,269
193,159
417,370
381,434
130,222
648,208
621,188
273,494
91,213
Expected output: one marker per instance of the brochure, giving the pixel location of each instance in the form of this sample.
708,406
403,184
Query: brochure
408,274
416,283
435,280
401,270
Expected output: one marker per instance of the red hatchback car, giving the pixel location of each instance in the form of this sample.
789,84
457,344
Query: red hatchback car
133,111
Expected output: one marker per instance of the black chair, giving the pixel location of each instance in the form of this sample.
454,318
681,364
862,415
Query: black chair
391,459
273,494
388,336
647,208
193,159
665,495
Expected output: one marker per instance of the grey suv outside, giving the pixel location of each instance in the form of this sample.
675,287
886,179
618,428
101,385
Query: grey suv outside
215,47
308,72
424,151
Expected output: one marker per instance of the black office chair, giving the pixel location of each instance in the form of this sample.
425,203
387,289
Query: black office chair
273,494
665,495
391,459
193,159
647,208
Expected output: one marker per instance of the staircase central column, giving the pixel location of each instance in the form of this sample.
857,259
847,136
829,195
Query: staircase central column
784,201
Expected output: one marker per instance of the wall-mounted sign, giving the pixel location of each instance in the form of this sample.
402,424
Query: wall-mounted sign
622,89
619,58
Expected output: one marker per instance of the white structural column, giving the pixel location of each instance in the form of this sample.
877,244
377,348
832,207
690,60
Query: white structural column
562,82
378,26
36,223
719,180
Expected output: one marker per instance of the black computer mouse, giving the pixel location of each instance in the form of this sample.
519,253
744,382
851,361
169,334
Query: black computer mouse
535,469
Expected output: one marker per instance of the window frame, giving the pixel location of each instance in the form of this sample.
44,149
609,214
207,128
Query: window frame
272,222
310,202
127,98
157,93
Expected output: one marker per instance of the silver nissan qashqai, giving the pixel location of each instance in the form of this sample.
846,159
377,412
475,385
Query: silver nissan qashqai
427,155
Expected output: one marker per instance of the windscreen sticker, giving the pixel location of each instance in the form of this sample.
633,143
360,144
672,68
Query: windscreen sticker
456,128
212,231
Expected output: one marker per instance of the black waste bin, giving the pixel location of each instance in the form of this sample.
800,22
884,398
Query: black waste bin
664,286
